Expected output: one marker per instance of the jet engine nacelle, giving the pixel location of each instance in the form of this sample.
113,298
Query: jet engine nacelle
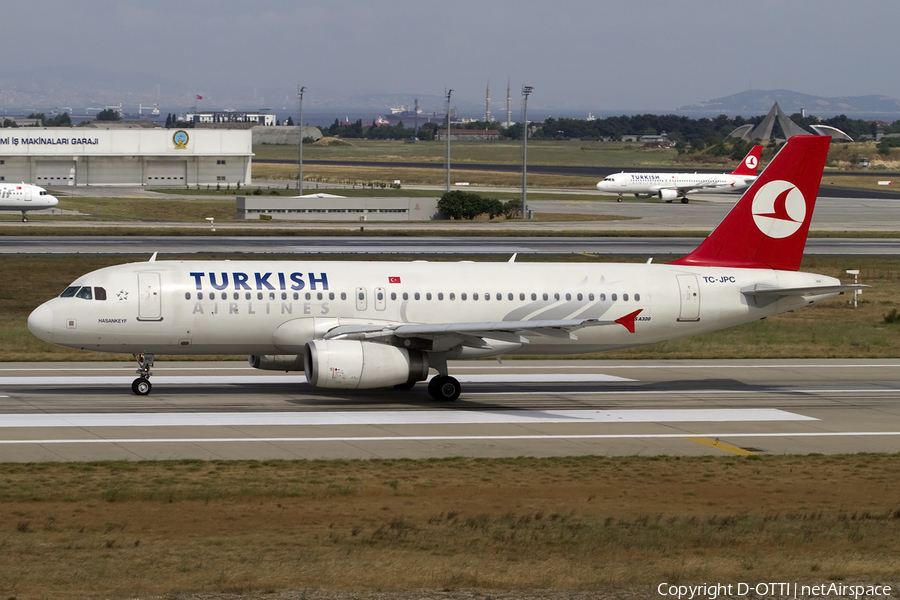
276,362
667,195
352,364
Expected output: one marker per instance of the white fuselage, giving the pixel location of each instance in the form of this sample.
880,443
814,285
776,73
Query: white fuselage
24,196
651,183
275,307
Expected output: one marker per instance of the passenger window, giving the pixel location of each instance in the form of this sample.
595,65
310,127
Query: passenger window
614,297
591,297
533,296
308,296
84,293
521,296
393,295
187,295
69,292
259,296
271,295
237,296
319,296
500,296
637,297
568,296
462,296
428,295
452,296
602,297
405,296
580,297
625,297
331,295
248,295
475,296
416,296
440,295
296,296
556,296
546,297
199,295
225,295
284,295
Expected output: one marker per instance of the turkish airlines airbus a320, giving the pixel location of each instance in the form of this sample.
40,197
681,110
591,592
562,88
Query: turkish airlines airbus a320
668,186
354,325
23,197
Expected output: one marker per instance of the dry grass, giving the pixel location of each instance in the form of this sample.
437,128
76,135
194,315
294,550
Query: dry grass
313,174
589,523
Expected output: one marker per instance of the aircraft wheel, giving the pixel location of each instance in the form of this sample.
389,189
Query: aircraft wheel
141,386
619,199
684,200
444,388
405,386
24,219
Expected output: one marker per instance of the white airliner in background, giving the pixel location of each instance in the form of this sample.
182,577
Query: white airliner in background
354,325
668,186
24,197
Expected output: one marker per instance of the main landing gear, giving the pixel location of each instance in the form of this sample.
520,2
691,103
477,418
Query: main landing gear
619,199
444,388
24,218
141,386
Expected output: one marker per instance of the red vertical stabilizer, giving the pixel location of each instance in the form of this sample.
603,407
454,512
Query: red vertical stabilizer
748,166
767,228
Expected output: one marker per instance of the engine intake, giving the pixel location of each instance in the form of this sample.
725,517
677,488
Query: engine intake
352,364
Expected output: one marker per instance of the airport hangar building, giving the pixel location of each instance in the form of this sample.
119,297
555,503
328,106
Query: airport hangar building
134,156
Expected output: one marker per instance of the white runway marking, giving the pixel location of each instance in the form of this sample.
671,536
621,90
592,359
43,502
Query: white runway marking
456,438
118,380
389,417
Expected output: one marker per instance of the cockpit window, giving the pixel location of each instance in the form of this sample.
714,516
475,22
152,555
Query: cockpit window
69,291
85,293
42,193
99,293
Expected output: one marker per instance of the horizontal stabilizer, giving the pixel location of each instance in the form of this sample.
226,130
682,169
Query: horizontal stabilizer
764,290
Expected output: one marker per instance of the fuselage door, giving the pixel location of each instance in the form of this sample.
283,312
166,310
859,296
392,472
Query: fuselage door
149,297
380,297
690,298
361,299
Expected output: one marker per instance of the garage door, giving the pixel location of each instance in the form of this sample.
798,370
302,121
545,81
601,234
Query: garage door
55,172
161,172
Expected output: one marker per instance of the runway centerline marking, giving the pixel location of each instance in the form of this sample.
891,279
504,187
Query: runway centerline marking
377,418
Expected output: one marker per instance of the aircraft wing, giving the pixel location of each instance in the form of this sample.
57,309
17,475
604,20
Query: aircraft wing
764,290
490,329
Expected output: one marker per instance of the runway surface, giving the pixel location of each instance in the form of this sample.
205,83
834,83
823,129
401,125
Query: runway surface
224,410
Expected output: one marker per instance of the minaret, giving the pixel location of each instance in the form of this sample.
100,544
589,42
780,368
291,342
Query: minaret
508,105
487,104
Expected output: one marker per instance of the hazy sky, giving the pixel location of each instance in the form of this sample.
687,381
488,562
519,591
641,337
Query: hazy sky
631,54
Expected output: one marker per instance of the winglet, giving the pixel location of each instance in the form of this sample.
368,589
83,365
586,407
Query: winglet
628,320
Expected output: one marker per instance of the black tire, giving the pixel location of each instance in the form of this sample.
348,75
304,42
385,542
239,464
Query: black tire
684,201
444,388
619,199
141,386
24,219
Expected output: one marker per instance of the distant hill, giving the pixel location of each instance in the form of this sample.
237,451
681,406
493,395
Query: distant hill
758,102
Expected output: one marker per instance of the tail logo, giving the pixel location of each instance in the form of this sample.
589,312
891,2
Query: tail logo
779,209
751,161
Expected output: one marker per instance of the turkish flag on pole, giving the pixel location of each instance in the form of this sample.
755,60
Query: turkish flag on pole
393,280
199,97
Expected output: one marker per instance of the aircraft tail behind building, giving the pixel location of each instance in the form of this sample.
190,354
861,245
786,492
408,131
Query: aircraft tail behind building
767,228
748,166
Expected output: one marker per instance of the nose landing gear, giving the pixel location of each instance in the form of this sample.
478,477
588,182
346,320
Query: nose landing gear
141,386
